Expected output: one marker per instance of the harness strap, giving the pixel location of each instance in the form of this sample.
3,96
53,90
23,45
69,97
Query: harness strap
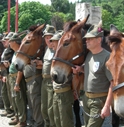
63,61
32,77
118,86
46,76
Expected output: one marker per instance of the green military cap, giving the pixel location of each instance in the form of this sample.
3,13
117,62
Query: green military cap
57,35
94,31
49,30
10,34
15,38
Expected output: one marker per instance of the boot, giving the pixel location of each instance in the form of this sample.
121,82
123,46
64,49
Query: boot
10,115
14,117
4,113
14,122
21,124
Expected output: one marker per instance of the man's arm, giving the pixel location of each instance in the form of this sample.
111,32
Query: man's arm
106,109
18,80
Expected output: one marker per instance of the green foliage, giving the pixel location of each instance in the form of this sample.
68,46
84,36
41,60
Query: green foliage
107,19
61,5
4,7
60,11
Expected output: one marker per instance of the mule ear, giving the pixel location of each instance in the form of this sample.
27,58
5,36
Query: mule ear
79,26
113,29
40,29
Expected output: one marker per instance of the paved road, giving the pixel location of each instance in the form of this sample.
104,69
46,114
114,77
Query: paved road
4,121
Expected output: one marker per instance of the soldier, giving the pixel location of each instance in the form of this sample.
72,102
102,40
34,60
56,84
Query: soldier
47,87
97,81
33,78
17,80
6,86
63,96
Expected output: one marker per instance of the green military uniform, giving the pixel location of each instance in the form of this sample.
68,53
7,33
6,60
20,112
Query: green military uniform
33,79
5,91
19,98
47,90
62,105
97,81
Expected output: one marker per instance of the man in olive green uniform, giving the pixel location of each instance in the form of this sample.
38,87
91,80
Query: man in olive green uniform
63,96
33,77
97,81
6,86
17,80
47,87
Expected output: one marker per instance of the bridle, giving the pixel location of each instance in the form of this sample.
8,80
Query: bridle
69,62
118,86
41,48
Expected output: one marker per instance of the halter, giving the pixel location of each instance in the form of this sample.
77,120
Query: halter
69,62
34,56
118,86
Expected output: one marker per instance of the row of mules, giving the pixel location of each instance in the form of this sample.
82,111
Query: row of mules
71,50
116,66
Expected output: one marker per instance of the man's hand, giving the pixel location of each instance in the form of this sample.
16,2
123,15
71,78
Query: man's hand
105,111
39,63
4,79
77,69
16,88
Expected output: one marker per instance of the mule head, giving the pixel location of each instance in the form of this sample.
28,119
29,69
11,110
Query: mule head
32,46
116,66
70,45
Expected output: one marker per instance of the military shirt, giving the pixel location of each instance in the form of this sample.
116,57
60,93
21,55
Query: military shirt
47,60
97,76
12,68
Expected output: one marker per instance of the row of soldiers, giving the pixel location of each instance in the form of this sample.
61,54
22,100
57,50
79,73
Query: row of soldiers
35,87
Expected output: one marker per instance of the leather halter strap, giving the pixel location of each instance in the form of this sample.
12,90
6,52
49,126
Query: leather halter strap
69,61
118,86
34,56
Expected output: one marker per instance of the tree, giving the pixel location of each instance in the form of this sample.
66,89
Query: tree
4,7
61,5
30,13
107,19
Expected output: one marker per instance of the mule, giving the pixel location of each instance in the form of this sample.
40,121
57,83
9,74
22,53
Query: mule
70,47
116,66
32,47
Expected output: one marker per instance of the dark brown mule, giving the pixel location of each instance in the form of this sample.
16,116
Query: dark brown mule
116,66
32,46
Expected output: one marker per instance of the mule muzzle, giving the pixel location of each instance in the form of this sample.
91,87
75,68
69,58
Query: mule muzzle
60,79
18,65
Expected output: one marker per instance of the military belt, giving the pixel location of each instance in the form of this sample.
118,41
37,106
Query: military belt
61,90
32,77
13,75
95,95
46,76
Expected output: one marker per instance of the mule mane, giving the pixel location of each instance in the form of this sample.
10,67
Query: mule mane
69,25
32,28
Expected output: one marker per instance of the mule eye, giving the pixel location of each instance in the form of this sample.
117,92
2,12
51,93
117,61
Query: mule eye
66,44
27,42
